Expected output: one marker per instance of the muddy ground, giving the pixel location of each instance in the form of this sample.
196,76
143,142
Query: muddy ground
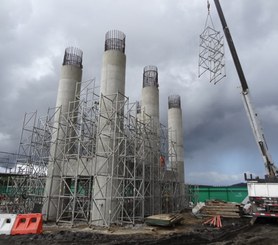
190,231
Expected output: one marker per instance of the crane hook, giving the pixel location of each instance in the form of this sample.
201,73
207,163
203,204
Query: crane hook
208,5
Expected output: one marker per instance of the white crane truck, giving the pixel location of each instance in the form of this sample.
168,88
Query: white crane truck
263,193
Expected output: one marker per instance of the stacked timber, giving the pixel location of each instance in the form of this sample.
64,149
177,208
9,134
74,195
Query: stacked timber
163,219
225,209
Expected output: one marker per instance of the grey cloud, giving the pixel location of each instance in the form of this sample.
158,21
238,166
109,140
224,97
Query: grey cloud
161,33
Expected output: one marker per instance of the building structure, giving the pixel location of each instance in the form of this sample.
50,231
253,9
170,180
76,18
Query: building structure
97,157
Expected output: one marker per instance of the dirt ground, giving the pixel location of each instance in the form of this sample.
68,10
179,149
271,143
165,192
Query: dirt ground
190,231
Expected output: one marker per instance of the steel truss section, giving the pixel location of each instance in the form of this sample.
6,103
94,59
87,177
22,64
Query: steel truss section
211,52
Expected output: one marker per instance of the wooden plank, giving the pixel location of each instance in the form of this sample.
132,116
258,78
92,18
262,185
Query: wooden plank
214,203
219,212
163,219
221,208
224,216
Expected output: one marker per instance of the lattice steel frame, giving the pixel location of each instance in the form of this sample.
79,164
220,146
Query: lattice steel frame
211,52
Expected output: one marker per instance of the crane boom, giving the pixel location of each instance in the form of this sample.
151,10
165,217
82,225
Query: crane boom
271,169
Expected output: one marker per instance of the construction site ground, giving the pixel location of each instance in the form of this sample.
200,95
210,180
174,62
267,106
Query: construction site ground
190,231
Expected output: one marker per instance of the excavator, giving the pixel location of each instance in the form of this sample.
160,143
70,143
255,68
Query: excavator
263,193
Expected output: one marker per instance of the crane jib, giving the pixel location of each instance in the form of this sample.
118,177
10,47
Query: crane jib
231,46
253,117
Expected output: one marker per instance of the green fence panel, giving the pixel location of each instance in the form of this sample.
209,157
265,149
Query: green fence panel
228,194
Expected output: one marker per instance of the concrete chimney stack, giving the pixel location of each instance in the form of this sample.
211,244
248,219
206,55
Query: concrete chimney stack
150,116
112,90
176,150
68,90
150,96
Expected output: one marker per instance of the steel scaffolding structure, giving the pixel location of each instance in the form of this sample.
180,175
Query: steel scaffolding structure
7,161
26,184
170,196
107,159
74,198
126,156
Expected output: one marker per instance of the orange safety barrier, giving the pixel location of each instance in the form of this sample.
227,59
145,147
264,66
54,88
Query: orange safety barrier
27,224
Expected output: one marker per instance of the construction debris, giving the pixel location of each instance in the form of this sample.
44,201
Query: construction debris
198,207
164,219
215,221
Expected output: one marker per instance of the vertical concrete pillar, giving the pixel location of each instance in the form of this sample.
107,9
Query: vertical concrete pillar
176,137
150,116
112,89
69,87
150,96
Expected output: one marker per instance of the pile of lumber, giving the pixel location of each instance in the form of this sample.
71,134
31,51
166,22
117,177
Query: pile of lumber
225,209
163,219
214,221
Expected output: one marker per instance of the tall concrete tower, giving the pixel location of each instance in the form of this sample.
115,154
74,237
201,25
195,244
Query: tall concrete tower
175,137
112,89
150,116
69,88
150,95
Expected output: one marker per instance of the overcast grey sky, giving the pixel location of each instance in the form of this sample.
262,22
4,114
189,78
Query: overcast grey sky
219,144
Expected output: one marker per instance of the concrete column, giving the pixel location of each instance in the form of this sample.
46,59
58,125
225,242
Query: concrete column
150,96
112,88
150,116
175,136
69,88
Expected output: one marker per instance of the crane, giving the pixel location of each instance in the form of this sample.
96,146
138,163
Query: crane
271,169
263,193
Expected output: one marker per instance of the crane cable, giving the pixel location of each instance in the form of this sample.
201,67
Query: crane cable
208,5
209,17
